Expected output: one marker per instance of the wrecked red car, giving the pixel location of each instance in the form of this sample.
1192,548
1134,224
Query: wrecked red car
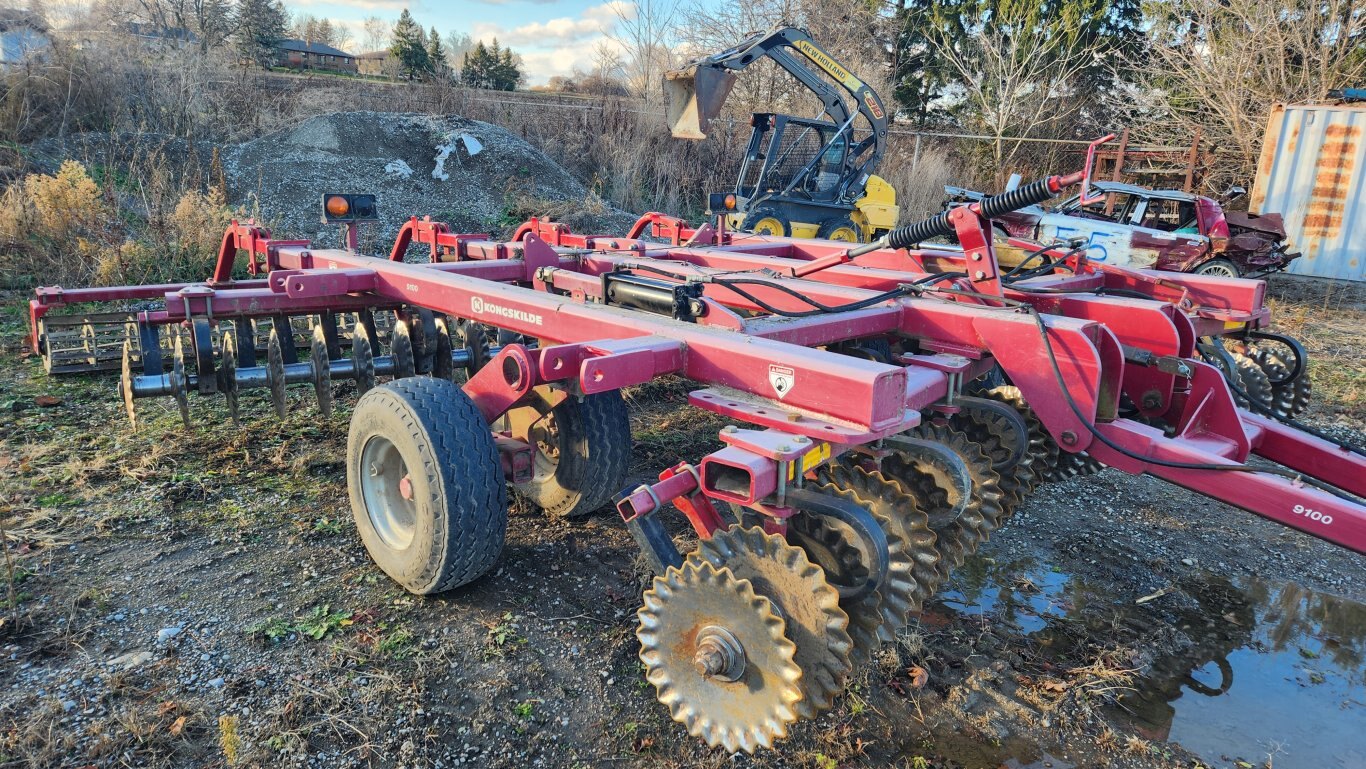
1167,229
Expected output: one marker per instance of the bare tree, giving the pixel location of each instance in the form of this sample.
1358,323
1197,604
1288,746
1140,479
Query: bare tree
645,31
1223,63
1014,84
375,33
212,21
457,44
607,61
849,31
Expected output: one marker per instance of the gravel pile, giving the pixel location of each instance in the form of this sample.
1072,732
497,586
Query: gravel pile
473,175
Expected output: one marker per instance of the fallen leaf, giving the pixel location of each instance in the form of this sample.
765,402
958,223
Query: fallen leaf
919,676
1055,686
177,726
47,401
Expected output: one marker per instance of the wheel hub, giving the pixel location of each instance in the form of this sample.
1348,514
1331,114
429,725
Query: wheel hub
719,654
388,492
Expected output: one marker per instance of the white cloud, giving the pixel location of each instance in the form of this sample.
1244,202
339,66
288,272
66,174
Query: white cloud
611,12
558,46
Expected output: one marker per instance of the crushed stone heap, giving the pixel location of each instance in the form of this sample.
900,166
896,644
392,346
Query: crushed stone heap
467,173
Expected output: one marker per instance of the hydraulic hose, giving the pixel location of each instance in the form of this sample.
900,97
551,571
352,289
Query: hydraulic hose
939,224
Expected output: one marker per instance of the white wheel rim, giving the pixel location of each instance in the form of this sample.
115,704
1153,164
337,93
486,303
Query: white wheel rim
1220,270
382,472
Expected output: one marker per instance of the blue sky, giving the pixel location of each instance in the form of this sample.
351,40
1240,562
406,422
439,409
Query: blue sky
553,37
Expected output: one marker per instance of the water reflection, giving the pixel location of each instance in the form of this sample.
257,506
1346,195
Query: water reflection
1275,670
1272,669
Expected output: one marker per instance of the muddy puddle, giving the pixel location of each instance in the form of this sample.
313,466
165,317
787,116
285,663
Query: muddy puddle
1247,673
1280,682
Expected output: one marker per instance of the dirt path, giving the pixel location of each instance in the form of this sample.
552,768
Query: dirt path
201,599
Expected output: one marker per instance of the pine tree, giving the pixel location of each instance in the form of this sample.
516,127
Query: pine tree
923,76
490,66
436,54
260,27
410,47
475,67
508,73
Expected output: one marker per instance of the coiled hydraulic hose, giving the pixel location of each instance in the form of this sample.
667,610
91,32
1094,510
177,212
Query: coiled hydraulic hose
939,224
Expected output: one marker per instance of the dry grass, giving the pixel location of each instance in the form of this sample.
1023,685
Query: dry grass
1329,318
143,223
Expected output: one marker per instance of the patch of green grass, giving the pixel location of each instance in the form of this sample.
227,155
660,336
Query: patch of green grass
272,629
326,526
18,598
397,643
503,634
321,621
525,709
55,499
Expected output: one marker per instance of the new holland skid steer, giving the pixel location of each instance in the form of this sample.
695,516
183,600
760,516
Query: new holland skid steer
801,177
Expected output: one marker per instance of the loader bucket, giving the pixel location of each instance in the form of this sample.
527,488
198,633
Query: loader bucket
695,95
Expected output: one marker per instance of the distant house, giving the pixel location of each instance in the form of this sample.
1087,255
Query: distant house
377,63
23,37
300,54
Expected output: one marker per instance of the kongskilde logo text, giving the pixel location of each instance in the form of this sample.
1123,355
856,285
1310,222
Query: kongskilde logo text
481,307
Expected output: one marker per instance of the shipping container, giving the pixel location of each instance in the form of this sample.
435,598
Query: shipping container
1311,171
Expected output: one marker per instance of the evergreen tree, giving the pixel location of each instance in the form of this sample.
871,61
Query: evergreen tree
260,27
436,54
410,47
490,66
475,67
922,75
509,74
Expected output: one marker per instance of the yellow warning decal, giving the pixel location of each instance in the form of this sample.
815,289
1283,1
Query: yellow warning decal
831,67
809,461
1233,325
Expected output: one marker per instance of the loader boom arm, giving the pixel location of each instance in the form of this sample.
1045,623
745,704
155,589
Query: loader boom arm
697,91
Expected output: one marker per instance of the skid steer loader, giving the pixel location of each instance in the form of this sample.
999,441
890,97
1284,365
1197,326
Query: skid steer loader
801,177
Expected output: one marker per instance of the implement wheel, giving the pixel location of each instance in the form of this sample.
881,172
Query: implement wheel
426,484
582,448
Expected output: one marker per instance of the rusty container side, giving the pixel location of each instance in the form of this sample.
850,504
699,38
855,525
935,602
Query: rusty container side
1312,170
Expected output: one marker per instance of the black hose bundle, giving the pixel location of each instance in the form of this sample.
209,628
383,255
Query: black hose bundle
939,224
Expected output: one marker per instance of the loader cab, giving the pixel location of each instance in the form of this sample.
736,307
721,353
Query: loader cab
795,157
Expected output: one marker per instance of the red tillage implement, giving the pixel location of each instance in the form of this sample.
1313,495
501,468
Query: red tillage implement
900,404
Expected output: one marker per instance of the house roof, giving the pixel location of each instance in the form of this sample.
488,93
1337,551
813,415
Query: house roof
318,48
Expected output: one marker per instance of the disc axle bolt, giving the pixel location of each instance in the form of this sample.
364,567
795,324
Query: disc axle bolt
719,654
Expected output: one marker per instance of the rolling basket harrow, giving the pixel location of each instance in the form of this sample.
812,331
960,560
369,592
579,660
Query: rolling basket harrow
899,404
